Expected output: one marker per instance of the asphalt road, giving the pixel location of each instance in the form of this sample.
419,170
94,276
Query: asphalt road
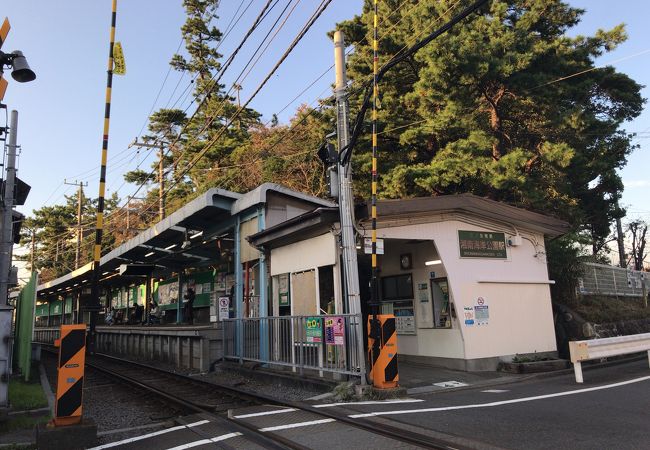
610,410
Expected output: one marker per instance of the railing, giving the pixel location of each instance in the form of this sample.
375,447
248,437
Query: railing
601,279
606,347
46,335
325,343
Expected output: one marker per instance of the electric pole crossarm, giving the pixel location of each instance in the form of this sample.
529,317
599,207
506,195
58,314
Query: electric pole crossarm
80,194
161,171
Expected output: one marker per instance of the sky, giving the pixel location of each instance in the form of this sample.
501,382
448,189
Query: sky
66,44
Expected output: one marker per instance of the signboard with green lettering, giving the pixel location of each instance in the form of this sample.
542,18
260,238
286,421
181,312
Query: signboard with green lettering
482,244
314,329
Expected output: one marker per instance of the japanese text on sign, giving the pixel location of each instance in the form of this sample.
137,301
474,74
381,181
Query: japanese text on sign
481,244
314,330
335,330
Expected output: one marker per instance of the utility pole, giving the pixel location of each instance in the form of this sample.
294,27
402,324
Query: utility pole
238,88
6,248
161,173
7,243
80,194
619,238
33,251
346,203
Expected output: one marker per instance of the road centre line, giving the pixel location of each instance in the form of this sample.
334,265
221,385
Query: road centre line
223,437
148,435
499,403
370,402
296,425
265,413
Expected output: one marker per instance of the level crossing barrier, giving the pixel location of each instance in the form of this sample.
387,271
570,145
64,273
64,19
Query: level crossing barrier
606,347
320,344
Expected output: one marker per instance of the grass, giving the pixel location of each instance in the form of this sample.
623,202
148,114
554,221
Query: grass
23,395
611,309
22,423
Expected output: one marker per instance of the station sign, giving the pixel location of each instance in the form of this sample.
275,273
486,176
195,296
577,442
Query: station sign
482,244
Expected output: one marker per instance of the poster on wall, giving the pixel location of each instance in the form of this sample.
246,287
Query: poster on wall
220,282
335,330
481,311
230,282
468,313
314,330
283,290
482,244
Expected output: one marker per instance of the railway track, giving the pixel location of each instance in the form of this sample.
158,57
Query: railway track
198,396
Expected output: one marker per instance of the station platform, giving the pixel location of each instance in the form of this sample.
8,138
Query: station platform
198,347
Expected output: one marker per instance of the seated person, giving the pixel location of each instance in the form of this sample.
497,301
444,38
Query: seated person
154,312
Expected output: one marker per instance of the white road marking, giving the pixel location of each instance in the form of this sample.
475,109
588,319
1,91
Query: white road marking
496,391
148,435
223,437
370,402
503,402
450,384
265,413
296,425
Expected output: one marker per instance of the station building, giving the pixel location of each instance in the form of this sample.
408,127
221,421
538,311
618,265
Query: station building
465,276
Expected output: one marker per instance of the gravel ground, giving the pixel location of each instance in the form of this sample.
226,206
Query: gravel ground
229,376
122,412
268,386
114,406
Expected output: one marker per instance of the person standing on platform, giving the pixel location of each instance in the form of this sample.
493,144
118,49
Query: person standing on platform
188,310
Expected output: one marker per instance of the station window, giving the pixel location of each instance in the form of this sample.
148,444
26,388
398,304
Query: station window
398,287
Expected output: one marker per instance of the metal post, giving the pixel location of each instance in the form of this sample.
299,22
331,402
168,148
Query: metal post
263,311
351,269
6,249
619,240
179,304
239,293
6,246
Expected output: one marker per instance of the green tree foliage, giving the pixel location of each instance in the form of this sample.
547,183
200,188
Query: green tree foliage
207,129
484,108
283,154
55,235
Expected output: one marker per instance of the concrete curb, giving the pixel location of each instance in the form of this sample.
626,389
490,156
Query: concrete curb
45,384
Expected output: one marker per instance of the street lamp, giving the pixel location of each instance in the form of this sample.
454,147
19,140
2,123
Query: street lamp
21,71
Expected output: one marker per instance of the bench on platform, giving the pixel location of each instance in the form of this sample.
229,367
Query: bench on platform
606,347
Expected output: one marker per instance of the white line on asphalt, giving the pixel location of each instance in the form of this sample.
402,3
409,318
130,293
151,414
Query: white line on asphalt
495,391
370,402
223,437
503,402
296,425
265,413
148,435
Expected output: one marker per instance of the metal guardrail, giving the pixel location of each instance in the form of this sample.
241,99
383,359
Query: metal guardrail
601,279
325,343
606,347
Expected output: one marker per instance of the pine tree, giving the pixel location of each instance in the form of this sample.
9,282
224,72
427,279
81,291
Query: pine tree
481,108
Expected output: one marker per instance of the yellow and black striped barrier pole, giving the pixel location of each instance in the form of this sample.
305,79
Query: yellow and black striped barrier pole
70,377
382,342
97,251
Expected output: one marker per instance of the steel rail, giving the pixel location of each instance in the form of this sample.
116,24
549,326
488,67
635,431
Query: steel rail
392,432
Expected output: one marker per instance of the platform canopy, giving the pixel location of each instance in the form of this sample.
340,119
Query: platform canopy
198,234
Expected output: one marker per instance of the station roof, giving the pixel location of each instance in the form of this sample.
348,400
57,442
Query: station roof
186,238
318,221
475,205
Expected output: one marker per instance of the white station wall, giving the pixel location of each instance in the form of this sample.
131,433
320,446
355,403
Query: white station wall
516,290
304,255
